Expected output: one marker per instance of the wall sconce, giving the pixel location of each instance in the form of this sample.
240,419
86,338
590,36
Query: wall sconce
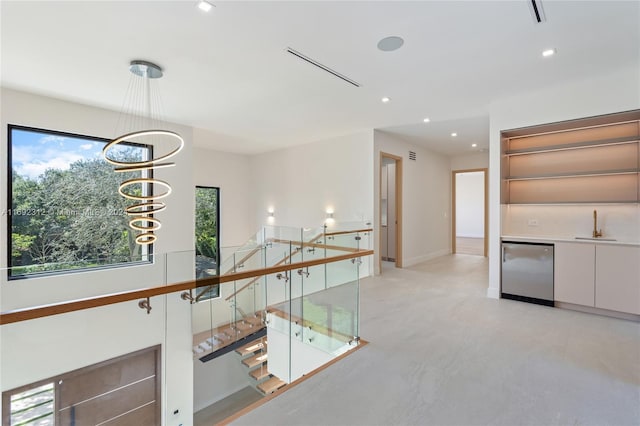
270,214
329,217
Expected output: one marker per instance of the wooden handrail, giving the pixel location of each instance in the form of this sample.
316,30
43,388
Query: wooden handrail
349,232
25,314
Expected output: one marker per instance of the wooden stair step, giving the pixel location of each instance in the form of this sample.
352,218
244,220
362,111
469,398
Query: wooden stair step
251,347
260,372
255,360
271,385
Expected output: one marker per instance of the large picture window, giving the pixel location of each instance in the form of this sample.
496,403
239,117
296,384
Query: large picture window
207,238
65,212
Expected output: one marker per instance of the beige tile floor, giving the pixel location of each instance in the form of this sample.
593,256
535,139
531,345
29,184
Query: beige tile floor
226,407
441,353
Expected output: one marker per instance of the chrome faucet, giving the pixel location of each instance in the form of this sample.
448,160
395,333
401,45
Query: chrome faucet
596,233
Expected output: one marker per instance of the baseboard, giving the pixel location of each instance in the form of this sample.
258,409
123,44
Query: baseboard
419,259
598,311
470,236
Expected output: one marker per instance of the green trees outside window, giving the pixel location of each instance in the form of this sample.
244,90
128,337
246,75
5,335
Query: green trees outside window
65,212
207,241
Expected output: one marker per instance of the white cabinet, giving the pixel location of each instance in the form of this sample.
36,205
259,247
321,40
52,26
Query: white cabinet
574,273
618,278
598,275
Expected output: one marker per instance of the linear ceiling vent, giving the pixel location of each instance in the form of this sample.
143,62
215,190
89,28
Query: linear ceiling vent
535,6
322,67
412,155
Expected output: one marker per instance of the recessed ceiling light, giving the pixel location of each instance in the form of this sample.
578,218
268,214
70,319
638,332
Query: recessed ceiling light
548,52
204,5
385,100
473,145
391,43
454,134
426,120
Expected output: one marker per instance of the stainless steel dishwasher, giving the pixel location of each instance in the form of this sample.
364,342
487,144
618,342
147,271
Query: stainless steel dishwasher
527,272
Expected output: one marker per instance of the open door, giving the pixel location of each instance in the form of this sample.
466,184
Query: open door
390,209
469,220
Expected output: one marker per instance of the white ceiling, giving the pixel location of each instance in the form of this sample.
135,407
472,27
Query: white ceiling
227,70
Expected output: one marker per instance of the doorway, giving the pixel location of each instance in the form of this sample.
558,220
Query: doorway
390,209
470,219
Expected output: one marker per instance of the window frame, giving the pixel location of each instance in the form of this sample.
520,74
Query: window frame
149,249
203,297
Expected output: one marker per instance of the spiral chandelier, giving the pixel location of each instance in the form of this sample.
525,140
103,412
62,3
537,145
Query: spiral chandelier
138,115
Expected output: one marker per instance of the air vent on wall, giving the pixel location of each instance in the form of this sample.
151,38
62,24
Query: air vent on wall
535,6
412,155
322,67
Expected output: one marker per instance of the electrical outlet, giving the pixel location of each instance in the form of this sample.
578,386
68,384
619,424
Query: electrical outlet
532,222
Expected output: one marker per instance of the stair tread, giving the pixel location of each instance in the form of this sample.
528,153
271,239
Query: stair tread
255,360
260,372
226,334
251,347
271,385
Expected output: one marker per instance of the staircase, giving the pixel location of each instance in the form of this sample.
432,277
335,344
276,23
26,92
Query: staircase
254,356
210,344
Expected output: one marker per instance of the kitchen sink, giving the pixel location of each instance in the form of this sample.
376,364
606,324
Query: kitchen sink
596,239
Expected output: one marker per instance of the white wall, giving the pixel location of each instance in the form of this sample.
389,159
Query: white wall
302,182
470,205
75,340
216,379
219,378
619,91
426,199
478,160
290,358
232,174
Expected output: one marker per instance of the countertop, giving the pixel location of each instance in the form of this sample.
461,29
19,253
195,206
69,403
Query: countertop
551,239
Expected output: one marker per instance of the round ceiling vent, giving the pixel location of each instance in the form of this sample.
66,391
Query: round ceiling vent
391,43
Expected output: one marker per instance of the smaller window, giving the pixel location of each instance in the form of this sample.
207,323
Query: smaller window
207,239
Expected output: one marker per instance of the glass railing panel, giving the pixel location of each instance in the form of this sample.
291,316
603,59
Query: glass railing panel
227,263
341,242
347,226
244,258
282,234
277,253
246,308
333,312
280,326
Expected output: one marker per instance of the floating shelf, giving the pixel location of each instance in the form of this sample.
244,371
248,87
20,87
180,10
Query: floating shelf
570,175
575,145
591,164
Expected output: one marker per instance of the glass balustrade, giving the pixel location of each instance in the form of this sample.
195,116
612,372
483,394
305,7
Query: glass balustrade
279,302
